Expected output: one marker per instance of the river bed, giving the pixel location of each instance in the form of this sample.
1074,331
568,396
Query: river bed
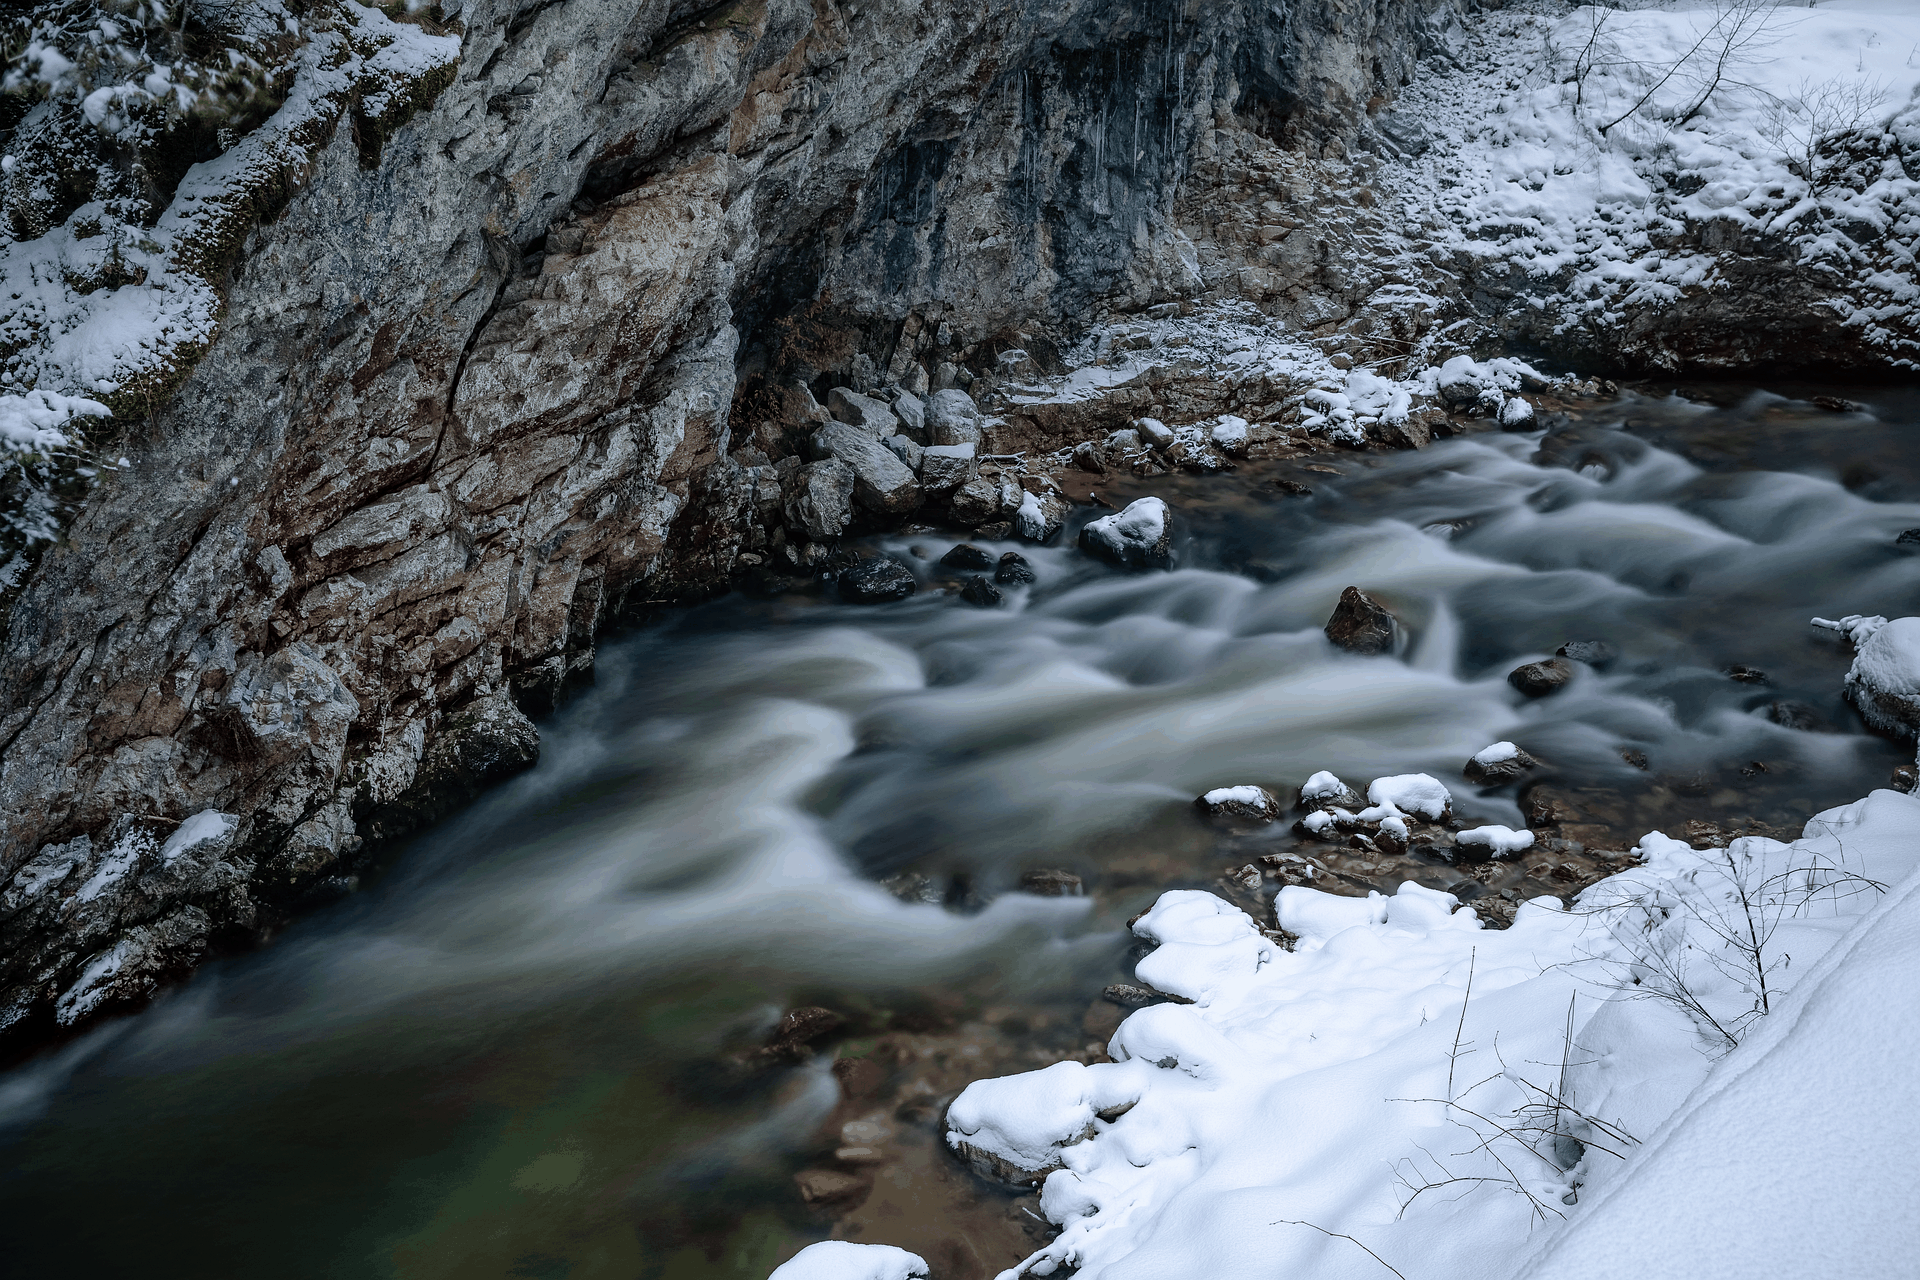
527,1047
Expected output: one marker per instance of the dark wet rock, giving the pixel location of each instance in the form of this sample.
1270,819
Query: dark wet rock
1359,624
1293,487
1492,767
485,742
967,556
1908,538
1597,654
980,593
1905,778
800,1027
1138,537
1538,679
1052,883
1746,675
1128,996
877,581
1014,571
858,1077
1834,404
1239,804
1636,758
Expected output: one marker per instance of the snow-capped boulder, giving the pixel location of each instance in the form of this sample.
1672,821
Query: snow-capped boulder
1516,415
1154,432
1477,844
1040,515
1884,681
846,1260
1139,537
1413,793
1241,804
1324,791
1501,762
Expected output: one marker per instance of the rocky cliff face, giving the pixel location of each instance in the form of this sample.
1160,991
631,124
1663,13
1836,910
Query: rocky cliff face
472,390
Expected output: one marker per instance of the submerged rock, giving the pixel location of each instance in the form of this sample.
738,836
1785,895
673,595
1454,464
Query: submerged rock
1137,537
1538,679
1052,883
877,581
1359,624
1240,804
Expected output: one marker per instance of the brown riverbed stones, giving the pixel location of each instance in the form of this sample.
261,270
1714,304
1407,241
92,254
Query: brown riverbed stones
1360,624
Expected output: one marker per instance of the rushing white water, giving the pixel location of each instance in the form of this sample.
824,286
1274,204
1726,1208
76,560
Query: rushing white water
703,834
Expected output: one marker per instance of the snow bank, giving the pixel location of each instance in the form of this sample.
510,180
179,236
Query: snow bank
1588,149
1406,1084
844,1260
1794,1157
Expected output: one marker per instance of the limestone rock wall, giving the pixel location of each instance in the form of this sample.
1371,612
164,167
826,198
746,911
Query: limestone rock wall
466,401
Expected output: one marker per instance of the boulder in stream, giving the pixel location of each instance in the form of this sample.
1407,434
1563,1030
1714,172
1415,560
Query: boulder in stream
1538,679
965,555
980,593
1137,537
876,581
1597,654
1884,681
1359,624
1245,803
1014,571
1502,762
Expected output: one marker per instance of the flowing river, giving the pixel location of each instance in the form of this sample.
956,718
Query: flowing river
527,1047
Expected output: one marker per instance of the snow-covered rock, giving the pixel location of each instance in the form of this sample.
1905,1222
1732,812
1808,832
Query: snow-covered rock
1492,842
845,1260
1040,515
1243,803
1415,793
1501,762
1325,791
1138,537
1884,681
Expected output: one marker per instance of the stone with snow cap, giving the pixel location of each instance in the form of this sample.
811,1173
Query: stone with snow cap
1476,844
1324,791
1415,793
1154,432
1245,803
944,467
1501,762
1138,537
1884,681
848,1260
1040,515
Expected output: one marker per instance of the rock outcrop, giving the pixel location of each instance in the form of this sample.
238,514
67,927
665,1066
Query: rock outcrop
473,391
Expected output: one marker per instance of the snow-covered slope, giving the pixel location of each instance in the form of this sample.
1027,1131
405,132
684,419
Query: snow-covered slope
1408,1089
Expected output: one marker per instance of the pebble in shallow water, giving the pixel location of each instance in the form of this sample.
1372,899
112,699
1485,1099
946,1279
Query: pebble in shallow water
1538,679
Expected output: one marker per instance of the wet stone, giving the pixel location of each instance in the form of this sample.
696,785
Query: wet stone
1014,571
800,1027
830,1187
1538,679
1494,772
1746,675
1128,996
966,556
1359,624
980,593
876,582
1908,538
1905,778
